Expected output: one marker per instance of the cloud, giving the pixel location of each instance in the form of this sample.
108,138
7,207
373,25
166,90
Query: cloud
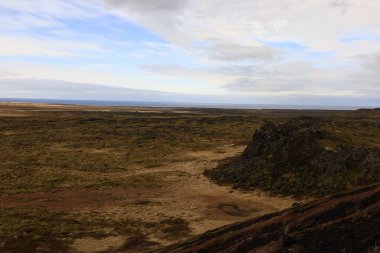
317,25
344,5
55,89
222,33
57,10
280,87
306,79
173,70
25,46
258,48
40,85
40,88
149,5
370,61
368,78
159,17
231,52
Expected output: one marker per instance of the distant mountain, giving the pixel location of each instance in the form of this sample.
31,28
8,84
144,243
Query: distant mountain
299,157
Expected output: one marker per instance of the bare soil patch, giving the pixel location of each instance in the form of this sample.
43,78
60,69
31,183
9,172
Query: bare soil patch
89,245
187,203
12,114
78,199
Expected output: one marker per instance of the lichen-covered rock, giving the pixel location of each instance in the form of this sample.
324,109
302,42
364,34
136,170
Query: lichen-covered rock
293,159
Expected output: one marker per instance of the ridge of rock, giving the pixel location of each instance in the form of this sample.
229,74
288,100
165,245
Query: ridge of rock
345,222
297,158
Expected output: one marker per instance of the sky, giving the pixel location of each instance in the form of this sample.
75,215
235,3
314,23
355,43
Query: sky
298,52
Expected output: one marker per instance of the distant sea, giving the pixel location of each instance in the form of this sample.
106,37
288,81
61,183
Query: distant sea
178,104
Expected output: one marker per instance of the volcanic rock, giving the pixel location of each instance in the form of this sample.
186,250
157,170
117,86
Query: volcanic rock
346,222
299,157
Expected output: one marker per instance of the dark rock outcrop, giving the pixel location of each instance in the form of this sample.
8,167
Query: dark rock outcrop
345,222
299,158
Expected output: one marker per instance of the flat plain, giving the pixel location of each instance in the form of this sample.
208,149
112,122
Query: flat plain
130,179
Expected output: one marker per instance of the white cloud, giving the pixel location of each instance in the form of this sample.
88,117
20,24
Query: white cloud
211,46
98,74
158,16
37,88
231,52
370,61
57,9
319,24
55,89
230,31
26,46
150,6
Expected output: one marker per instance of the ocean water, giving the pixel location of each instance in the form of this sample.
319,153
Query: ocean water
177,104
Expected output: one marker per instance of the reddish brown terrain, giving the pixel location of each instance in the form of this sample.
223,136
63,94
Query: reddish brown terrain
346,222
121,179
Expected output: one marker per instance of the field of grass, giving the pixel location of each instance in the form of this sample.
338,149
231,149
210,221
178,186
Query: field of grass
48,152
51,150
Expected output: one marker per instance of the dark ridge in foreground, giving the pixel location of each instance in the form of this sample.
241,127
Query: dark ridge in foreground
345,222
300,157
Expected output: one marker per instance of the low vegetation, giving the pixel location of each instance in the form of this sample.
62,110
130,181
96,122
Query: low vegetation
64,151
40,230
51,150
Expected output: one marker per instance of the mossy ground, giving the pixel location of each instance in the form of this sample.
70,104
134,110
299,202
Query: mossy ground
74,148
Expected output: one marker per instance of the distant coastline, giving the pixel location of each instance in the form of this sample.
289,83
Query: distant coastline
179,104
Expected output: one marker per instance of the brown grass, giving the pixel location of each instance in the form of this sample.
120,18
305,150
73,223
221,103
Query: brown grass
72,177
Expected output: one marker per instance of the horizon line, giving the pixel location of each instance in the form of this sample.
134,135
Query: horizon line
141,103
